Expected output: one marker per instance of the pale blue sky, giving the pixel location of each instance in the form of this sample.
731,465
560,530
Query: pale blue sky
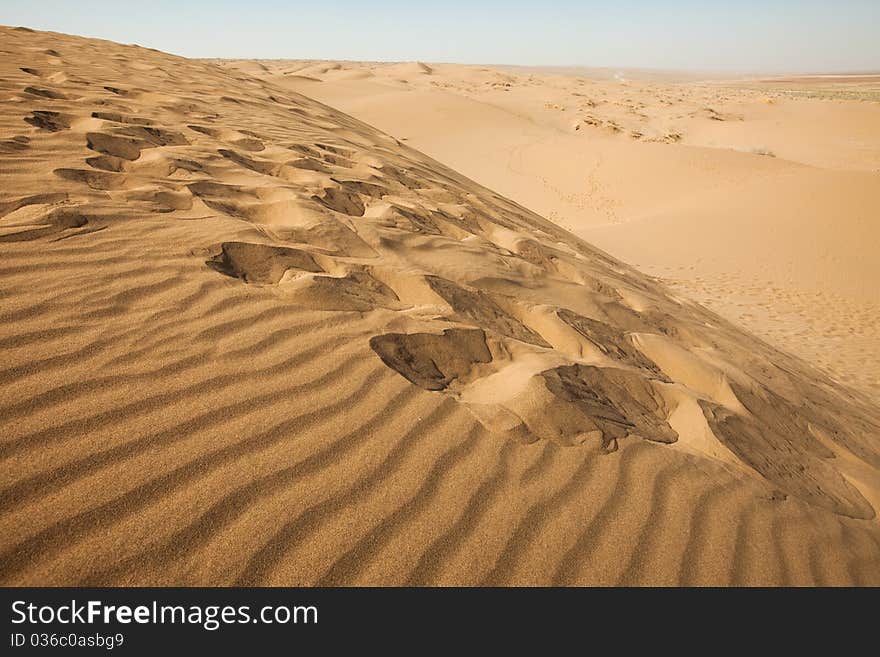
739,35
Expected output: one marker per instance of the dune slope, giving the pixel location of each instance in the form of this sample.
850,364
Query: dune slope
248,339
759,199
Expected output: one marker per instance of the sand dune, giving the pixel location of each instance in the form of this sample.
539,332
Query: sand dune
755,197
248,339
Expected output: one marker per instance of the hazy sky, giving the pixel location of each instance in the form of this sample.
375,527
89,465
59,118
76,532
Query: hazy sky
743,35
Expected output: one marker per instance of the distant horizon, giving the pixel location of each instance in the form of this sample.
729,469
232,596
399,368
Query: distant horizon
548,67
551,67
786,37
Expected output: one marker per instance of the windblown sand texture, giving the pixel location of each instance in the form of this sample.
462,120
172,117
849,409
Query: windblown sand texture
760,199
248,339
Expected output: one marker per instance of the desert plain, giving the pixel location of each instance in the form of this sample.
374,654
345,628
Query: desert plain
344,323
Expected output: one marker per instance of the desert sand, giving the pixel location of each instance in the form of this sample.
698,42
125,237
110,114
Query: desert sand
249,339
758,198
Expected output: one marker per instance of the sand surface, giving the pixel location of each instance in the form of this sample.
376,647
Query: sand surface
758,198
249,339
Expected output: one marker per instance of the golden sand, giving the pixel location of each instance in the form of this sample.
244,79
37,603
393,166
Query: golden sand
249,339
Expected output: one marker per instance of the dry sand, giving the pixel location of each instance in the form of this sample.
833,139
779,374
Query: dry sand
248,339
758,198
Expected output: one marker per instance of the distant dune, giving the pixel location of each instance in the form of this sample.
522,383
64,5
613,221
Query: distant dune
757,197
249,339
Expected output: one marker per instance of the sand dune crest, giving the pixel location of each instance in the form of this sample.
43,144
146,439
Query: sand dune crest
249,339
